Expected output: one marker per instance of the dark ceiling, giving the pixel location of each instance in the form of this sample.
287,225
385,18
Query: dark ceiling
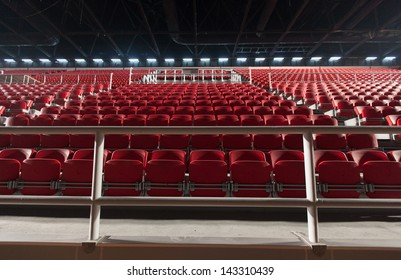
194,28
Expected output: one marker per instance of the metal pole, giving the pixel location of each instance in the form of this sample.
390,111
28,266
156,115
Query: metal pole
61,79
11,79
310,184
175,75
270,81
111,80
78,79
94,219
250,75
165,76
130,76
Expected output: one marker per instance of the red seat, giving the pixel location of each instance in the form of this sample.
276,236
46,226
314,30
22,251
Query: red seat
362,141
228,120
123,173
158,120
289,176
383,179
19,154
61,155
324,155
251,120
363,156
165,177
144,141
76,178
81,141
39,176
205,141
339,179
237,141
10,170
25,140
207,177
278,155
54,140
330,141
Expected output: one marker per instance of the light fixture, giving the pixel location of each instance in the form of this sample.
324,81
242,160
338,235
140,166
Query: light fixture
241,59
61,60
187,59
278,59
169,60
223,59
133,60
44,60
9,60
334,58
80,60
98,60
116,60
316,58
371,58
27,60
296,58
151,60
389,58
205,59
260,59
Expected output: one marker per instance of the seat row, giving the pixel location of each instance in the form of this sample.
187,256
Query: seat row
242,173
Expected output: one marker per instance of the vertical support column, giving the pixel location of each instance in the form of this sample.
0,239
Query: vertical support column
250,75
11,79
130,76
111,80
270,81
78,79
61,79
94,219
310,184
338,77
175,75
203,75
355,77
165,76
94,79
391,77
44,79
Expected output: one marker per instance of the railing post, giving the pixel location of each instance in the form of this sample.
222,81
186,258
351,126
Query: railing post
94,223
310,184
250,75
270,81
130,76
111,81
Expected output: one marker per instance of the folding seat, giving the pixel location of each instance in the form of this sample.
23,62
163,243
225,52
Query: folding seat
299,120
242,110
171,102
325,121
42,120
228,120
81,141
167,110
236,103
184,110
339,179
90,110
262,110
51,110
252,103
328,155
383,179
128,110
61,155
89,120
302,110
236,141
251,120
108,110
288,103
330,141
106,103
270,103
278,155
76,178
289,177
135,120
123,173
89,154
203,103
223,110
10,170
19,120
144,141
39,176
281,110
155,103
203,110
177,141
165,173
187,103
363,156
114,141
19,154
370,116
146,110
362,141
158,120
205,141
219,103
70,110
207,173
122,103
25,140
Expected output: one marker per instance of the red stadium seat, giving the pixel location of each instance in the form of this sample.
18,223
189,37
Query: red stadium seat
289,176
76,178
10,170
383,179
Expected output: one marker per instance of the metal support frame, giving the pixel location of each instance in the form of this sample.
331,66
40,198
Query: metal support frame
96,200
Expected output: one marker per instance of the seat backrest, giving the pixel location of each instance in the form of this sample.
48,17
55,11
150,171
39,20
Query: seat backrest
77,170
206,155
339,172
278,155
239,155
324,155
40,170
362,156
382,172
19,154
169,155
131,154
289,172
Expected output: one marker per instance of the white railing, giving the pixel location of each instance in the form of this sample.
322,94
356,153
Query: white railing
312,203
